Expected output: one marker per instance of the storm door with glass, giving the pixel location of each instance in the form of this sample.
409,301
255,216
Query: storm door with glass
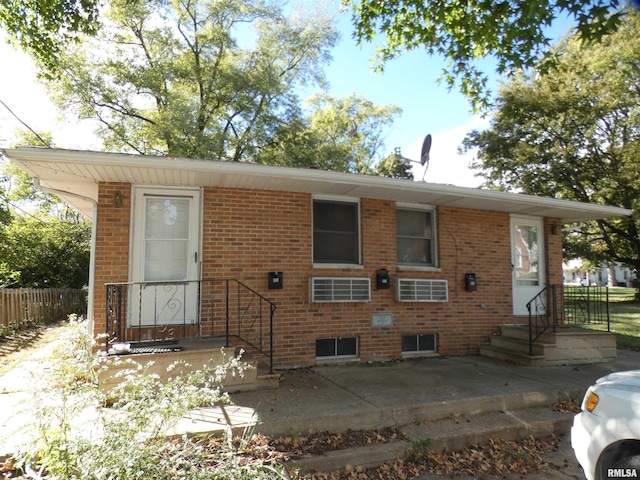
527,259
165,258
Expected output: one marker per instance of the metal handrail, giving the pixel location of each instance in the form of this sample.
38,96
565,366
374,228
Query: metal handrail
556,304
544,314
246,321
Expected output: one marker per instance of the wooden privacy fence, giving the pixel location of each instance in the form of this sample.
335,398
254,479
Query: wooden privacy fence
19,306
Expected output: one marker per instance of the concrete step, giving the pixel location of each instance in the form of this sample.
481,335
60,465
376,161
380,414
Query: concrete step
391,416
520,346
451,433
522,332
369,456
511,356
255,378
263,380
459,431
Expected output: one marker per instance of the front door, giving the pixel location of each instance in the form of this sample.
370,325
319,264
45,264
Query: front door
527,260
165,257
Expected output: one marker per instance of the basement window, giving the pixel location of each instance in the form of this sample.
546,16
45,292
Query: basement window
337,347
418,344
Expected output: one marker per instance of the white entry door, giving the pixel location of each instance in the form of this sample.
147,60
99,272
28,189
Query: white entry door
527,260
165,257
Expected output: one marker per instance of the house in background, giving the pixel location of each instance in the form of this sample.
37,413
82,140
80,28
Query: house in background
305,266
614,275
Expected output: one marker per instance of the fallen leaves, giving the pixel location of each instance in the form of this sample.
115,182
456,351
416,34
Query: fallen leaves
7,466
497,457
566,406
321,442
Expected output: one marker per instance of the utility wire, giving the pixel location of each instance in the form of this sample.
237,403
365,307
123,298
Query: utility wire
45,143
11,204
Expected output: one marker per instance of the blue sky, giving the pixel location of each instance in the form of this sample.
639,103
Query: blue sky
409,82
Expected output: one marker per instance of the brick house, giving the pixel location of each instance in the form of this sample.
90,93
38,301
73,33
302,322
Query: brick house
324,266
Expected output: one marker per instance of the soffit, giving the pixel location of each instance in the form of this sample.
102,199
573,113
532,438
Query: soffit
75,176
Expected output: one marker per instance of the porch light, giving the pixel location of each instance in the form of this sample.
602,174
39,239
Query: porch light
117,199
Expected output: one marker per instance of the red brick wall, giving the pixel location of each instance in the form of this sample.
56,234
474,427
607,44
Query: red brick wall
247,233
553,247
112,245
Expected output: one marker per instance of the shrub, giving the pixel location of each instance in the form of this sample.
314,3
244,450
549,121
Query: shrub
81,432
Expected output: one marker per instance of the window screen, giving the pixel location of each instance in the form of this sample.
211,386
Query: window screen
335,232
415,237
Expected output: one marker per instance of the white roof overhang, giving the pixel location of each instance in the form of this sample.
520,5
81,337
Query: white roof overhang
74,176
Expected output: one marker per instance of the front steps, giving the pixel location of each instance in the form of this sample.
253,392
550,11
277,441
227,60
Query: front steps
567,346
257,377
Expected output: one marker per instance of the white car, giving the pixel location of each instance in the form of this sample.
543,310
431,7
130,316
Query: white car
606,435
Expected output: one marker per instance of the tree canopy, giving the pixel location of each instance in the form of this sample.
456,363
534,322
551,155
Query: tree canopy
575,134
342,134
514,32
44,28
195,78
43,242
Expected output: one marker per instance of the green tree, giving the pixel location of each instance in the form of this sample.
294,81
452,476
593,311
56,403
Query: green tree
514,32
5,214
43,28
394,167
44,243
45,252
575,134
340,134
194,78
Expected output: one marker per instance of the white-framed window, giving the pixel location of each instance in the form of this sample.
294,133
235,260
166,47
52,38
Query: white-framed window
337,347
416,236
336,231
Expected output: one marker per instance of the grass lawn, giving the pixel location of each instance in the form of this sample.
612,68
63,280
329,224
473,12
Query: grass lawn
624,313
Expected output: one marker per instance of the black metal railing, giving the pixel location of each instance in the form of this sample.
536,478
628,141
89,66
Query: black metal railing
587,304
543,313
559,305
154,313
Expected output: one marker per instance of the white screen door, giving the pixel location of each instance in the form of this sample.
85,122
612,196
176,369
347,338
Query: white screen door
165,257
527,259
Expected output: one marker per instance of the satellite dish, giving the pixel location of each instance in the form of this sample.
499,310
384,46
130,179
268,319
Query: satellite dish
424,157
426,147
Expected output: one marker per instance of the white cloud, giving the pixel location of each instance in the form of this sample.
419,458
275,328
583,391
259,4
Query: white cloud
27,98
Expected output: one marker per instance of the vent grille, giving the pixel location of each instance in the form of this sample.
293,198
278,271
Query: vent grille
340,289
421,290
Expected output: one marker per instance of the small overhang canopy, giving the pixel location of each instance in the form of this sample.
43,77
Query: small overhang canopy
74,176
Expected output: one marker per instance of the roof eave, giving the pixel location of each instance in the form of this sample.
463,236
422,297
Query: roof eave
220,173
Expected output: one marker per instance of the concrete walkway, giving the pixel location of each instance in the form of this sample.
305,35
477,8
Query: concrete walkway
426,398
368,396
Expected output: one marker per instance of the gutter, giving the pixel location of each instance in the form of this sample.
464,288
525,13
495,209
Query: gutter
92,252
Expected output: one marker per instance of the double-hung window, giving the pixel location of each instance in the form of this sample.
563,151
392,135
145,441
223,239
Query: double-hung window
415,236
336,232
